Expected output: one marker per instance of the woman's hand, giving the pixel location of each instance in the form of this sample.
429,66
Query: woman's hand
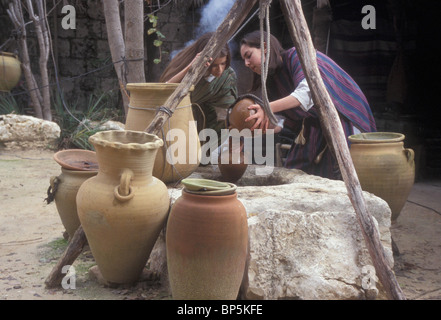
181,74
207,64
259,115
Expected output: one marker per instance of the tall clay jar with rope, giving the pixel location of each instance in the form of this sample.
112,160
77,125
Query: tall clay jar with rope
123,208
180,155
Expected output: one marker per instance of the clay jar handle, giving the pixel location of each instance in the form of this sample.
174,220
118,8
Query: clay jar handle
53,181
410,154
124,192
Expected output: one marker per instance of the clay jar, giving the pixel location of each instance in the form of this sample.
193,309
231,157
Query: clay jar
238,113
123,208
206,241
180,155
384,167
10,71
231,162
67,185
77,166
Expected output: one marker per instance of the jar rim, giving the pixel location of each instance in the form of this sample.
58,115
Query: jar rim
376,137
153,85
126,139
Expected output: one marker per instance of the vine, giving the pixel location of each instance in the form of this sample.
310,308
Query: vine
153,19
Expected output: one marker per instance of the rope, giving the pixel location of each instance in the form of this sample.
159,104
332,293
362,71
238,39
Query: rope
264,13
52,190
161,108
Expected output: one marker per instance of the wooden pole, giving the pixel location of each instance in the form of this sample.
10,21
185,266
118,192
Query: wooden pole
72,251
332,126
231,23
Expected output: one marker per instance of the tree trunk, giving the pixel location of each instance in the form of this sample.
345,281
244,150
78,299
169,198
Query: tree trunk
15,12
134,40
116,43
43,43
332,126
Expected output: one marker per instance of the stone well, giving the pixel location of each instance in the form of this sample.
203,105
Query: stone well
305,241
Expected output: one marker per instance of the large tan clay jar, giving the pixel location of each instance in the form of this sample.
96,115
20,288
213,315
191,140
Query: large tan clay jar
384,167
67,185
180,155
10,71
123,208
206,241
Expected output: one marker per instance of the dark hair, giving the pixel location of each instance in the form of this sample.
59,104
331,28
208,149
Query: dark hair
186,55
252,39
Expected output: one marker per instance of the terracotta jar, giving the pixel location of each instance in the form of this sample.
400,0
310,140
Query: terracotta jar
237,114
10,71
180,155
206,241
384,167
231,162
123,208
66,187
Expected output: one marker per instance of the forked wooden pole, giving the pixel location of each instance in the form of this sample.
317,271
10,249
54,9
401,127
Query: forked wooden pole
331,124
231,23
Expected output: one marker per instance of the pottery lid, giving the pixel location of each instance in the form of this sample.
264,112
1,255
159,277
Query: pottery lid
208,187
77,159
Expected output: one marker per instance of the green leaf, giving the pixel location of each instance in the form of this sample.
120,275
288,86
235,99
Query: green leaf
151,30
157,43
160,35
156,61
153,20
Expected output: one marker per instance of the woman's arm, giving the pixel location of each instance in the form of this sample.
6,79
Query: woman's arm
177,78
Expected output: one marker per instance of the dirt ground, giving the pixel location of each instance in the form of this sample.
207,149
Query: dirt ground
31,239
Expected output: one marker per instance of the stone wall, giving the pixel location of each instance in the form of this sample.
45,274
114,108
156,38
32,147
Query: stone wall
83,55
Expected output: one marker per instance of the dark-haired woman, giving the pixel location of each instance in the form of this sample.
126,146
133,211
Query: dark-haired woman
290,96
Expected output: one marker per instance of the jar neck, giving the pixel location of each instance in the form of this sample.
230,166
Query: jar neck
113,161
